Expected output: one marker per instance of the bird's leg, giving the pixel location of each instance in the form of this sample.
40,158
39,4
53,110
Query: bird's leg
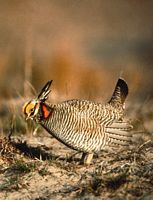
86,158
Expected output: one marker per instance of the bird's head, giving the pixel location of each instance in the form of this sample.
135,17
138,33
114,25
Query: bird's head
32,107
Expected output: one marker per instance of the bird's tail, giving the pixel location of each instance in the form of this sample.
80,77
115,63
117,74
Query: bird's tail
120,93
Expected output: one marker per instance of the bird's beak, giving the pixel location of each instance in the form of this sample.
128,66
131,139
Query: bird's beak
28,117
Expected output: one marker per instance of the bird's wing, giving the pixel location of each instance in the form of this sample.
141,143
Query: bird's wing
97,116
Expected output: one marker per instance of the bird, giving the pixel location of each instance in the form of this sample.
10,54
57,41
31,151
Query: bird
85,126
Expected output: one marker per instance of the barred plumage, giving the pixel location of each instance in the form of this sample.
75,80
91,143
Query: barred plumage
83,125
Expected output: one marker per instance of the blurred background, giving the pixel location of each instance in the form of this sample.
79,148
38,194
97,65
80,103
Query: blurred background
83,45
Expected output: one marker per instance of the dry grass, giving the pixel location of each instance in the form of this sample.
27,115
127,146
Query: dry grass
128,174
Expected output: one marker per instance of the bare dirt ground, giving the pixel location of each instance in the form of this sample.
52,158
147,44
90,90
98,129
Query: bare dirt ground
39,167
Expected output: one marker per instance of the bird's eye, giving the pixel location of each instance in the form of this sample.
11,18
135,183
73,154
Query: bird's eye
32,111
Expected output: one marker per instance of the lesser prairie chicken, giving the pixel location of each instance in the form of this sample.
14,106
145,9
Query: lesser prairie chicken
83,125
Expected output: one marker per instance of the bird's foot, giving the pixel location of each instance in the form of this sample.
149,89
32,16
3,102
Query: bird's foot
86,158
